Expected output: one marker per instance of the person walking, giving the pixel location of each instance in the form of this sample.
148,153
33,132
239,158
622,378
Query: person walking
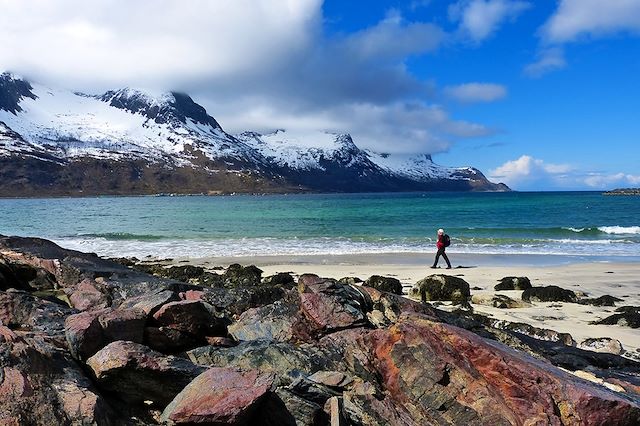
442,244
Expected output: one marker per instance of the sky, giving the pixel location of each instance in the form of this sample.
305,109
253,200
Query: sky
540,95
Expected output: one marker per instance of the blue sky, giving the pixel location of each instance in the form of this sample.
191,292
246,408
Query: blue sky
542,95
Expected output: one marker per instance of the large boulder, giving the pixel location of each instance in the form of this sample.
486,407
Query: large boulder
150,303
242,276
41,384
222,396
328,306
190,316
513,283
22,310
84,334
136,374
441,287
271,322
626,316
550,293
605,300
388,284
88,294
446,375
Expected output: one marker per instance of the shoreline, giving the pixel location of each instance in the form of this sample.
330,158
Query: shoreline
586,276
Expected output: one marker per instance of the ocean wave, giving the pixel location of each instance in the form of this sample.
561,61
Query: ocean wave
120,236
246,247
630,230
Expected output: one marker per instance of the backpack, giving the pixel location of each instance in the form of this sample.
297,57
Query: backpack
446,240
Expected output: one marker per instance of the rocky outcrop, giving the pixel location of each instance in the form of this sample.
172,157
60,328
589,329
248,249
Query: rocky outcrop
551,293
441,287
323,352
388,284
513,283
626,316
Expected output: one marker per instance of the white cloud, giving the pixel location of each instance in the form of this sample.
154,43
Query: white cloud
604,181
481,18
549,59
476,92
253,64
576,18
527,172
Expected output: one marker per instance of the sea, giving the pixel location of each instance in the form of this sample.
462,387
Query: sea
582,224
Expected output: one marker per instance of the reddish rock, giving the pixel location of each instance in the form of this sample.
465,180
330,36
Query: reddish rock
330,305
137,374
193,317
87,295
446,374
84,334
150,303
192,295
270,322
123,324
222,396
14,384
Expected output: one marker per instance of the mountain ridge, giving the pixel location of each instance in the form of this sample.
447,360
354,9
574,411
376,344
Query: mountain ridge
129,142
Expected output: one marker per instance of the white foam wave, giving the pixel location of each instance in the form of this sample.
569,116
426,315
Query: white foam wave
620,229
333,246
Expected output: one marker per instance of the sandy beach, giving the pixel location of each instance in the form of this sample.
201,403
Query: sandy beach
586,276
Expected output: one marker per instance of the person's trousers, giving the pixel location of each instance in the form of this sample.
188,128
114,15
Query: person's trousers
444,255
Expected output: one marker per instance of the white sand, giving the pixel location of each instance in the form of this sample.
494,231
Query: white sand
582,275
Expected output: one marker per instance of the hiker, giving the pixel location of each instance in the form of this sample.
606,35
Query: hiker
442,244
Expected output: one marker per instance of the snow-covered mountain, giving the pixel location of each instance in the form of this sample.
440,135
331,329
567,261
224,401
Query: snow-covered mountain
55,142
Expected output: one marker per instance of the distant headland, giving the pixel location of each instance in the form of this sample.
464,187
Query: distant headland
623,191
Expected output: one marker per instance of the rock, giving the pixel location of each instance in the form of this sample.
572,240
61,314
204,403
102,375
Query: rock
242,276
192,317
224,342
605,300
388,284
222,396
282,278
330,306
271,322
234,301
123,324
627,316
470,380
310,279
498,301
135,373
302,411
170,340
350,280
88,294
441,287
549,293
315,392
41,384
22,276
151,302
513,283
535,332
287,360
602,344
84,334
332,379
22,310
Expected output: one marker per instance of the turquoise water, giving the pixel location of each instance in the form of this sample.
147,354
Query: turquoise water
580,223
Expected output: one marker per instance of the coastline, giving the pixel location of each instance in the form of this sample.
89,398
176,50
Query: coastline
587,276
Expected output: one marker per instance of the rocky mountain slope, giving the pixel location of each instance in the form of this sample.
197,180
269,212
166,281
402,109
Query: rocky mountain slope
57,142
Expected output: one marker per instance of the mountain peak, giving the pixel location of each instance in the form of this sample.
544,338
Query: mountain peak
12,90
168,107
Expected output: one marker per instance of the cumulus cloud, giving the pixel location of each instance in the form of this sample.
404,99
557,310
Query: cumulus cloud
476,92
604,181
576,18
479,19
549,59
254,64
527,172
